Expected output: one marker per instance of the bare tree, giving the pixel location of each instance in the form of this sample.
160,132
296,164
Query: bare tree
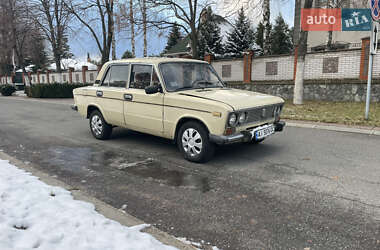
185,14
85,10
53,18
113,38
125,17
22,29
301,44
144,21
267,26
5,40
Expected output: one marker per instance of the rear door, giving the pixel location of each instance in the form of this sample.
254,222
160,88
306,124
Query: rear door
143,112
110,94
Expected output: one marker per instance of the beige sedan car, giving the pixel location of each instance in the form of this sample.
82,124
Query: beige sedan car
180,99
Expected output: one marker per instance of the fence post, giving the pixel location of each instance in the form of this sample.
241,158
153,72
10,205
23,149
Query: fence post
29,77
48,76
38,76
71,75
248,66
84,70
295,63
364,58
209,58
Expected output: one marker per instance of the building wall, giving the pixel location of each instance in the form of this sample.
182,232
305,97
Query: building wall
284,64
318,65
237,67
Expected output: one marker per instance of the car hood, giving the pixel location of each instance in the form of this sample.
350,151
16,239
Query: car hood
235,98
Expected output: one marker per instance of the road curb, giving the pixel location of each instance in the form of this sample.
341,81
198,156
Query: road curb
334,127
101,207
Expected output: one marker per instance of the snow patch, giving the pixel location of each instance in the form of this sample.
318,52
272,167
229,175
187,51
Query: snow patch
36,215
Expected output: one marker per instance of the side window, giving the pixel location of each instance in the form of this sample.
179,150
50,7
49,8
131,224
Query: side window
106,79
119,76
141,76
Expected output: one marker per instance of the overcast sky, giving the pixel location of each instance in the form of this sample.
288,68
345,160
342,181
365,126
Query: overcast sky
81,42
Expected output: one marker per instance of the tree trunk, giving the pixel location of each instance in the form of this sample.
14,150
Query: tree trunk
329,40
266,23
113,39
194,46
302,50
132,21
145,28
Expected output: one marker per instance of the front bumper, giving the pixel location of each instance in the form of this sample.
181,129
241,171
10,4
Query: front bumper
243,136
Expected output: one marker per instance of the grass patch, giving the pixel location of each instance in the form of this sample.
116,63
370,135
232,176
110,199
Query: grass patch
348,113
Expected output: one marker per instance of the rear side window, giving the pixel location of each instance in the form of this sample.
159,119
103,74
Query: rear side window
117,76
141,76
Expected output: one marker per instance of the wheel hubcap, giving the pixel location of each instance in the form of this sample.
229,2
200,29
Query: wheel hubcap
192,142
96,125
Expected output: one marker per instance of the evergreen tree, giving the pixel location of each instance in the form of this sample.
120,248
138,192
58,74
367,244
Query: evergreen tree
65,48
174,37
241,38
127,54
280,37
210,40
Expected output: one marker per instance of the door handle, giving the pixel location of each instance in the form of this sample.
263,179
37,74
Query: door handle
99,93
128,97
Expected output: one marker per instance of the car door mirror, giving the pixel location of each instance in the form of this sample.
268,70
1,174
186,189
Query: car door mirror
153,89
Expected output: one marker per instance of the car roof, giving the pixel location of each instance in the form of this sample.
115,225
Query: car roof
155,60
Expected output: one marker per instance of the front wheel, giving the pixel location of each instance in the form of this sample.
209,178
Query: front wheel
100,129
193,141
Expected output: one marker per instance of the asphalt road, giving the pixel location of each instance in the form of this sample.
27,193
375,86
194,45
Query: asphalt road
303,188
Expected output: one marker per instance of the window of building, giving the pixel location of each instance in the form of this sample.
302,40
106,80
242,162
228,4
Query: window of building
271,68
64,78
42,79
91,77
141,76
226,71
331,65
53,79
77,78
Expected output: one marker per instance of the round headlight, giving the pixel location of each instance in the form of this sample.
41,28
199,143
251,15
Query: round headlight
232,120
242,117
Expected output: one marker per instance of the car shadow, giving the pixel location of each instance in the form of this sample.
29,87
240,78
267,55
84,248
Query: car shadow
245,152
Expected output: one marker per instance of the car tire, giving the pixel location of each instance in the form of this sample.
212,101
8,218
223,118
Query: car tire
193,142
100,129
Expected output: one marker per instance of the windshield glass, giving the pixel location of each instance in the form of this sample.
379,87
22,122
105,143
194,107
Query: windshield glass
188,75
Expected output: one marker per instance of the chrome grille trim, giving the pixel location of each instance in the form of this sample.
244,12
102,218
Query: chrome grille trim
259,114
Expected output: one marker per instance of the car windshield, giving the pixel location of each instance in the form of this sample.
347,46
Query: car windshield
188,75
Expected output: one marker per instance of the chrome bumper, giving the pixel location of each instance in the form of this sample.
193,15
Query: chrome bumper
243,136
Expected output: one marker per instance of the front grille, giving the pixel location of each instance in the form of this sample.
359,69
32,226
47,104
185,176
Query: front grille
261,113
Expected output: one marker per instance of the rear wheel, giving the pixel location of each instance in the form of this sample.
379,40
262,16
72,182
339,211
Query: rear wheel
193,142
100,129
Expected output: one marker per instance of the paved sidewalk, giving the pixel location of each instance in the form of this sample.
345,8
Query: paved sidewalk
334,127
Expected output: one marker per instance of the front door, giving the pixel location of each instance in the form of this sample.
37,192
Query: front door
143,112
110,94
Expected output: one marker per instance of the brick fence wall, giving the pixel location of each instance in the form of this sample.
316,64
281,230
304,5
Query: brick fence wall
70,76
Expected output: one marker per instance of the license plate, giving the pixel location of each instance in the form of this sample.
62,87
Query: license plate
263,132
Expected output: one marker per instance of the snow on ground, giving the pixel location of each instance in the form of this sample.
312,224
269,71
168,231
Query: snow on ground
36,215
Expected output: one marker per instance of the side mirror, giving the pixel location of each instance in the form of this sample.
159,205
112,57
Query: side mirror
153,89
